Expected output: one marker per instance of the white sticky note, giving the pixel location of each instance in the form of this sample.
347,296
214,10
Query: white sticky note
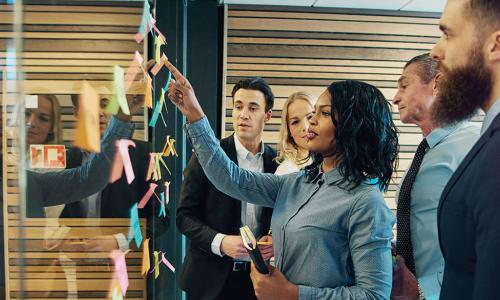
31,101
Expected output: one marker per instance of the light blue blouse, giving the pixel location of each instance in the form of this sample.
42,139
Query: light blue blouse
331,242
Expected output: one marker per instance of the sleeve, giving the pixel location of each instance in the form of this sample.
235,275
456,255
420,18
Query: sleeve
253,187
71,185
190,220
487,226
370,231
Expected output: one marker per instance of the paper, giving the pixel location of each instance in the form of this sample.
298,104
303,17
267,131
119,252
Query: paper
147,196
167,191
31,101
146,23
169,148
157,264
116,294
148,101
47,156
145,258
157,109
118,92
122,161
131,73
163,211
135,227
88,135
138,57
167,263
159,41
121,274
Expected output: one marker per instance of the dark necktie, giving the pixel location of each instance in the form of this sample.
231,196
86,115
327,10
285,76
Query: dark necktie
404,246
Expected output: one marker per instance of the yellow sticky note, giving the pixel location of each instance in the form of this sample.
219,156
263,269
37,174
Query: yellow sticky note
119,90
87,130
157,264
158,43
145,258
148,93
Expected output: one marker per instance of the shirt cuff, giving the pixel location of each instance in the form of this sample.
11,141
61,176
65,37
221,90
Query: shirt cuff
198,128
122,241
306,293
217,241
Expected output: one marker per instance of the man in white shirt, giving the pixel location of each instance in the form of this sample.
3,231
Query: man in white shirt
216,264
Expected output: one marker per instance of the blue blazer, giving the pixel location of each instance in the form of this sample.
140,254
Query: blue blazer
469,223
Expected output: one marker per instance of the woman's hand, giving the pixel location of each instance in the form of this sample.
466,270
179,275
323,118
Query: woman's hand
274,286
182,95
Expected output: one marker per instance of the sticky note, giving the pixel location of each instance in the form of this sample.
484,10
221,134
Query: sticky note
119,90
147,196
122,161
88,135
157,264
138,57
145,258
159,41
167,263
163,211
157,109
121,274
135,226
148,101
167,191
168,148
131,73
31,101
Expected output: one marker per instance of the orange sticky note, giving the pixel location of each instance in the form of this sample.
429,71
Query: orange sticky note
145,258
148,93
87,130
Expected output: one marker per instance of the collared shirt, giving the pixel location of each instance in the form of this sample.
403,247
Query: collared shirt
250,214
490,115
447,148
334,243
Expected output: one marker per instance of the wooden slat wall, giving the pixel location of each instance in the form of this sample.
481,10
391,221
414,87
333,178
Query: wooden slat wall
63,45
304,50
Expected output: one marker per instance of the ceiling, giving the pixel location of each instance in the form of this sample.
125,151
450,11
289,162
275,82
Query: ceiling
401,5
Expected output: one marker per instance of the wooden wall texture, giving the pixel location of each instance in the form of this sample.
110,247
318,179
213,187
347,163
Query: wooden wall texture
64,44
306,49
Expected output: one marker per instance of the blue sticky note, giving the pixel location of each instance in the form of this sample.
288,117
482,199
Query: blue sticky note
163,212
135,226
157,110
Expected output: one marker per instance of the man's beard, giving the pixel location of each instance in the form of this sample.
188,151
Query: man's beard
462,91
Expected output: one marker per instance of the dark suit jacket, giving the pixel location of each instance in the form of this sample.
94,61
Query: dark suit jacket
203,212
469,223
117,198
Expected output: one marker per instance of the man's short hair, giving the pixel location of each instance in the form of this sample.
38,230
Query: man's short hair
257,84
486,14
428,67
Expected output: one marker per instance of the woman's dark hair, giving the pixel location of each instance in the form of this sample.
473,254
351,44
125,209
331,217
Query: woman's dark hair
366,141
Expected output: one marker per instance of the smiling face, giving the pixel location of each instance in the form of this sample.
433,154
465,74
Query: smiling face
321,132
40,122
299,113
249,115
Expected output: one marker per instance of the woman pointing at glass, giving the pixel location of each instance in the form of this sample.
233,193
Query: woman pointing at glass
331,226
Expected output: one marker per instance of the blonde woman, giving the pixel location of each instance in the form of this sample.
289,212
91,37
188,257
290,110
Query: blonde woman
44,122
292,153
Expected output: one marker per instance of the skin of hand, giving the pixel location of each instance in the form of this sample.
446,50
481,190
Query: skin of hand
267,251
404,283
274,286
232,246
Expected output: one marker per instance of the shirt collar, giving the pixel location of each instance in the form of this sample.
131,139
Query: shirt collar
243,152
438,134
490,115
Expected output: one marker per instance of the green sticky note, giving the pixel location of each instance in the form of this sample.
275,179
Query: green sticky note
119,90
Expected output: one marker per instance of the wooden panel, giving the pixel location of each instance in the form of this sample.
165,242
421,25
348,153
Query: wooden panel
65,44
307,50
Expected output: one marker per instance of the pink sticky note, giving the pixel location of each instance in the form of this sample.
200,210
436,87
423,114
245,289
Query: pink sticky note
138,57
118,257
151,166
147,196
167,187
159,33
123,145
138,37
157,68
167,263
117,169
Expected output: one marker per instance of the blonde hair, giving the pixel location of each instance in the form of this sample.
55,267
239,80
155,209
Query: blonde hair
55,136
287,148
